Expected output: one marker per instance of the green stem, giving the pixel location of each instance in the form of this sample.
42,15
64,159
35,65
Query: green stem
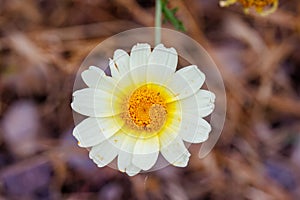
157,22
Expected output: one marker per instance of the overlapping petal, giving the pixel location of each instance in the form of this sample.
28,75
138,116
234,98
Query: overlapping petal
173,148
92,75
93,131
146,152
94,103
139,55
164,57
120,64
103,153
126,155
186,82
200,104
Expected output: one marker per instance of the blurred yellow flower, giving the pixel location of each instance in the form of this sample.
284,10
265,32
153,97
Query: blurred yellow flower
262,7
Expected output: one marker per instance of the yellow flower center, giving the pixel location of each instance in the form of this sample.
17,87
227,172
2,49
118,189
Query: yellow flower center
143,102
256,3
146,108
263,7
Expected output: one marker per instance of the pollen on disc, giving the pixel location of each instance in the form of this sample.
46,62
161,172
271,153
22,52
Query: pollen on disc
146,109
158,116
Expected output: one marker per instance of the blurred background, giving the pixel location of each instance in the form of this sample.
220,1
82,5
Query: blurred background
42,44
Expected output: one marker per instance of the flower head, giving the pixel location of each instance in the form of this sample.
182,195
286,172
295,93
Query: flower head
144,108
263,7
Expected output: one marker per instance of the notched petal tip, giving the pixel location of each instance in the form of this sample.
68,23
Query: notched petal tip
145,162
92,75
161,48
95,68
183,160
119,53
227,3
132,170
140,47
200,73
213,96
139,55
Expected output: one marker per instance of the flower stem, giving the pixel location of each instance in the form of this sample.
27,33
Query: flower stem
157,22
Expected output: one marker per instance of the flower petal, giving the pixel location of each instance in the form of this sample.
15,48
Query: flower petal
114,69
194,129
126,151
132,170
173,149
186,82
120,64
162,64
183,160
146,152
139,75
139,55
130,81
103,153
124,160
92,75
125,163
121,59
158,74
92,131
164,57
94,103
200,104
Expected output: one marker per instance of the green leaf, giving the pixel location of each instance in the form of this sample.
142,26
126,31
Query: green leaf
169,15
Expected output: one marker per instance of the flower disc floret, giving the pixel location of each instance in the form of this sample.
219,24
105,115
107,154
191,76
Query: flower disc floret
147,108
263,7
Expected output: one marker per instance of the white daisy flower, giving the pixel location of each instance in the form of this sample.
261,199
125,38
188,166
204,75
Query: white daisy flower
144,108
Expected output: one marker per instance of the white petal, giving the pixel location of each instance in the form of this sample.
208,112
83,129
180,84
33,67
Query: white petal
194,129
164,57
125,82
92,75
146,152
139,75
94,103
117,139
125,163
186,82
159,74
106,84
93,131
126,151
103,153
183,160
114,69
125,156
173,150
121,59
139,55
124,160
132,170
162,64
130,81
205,102
200,104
